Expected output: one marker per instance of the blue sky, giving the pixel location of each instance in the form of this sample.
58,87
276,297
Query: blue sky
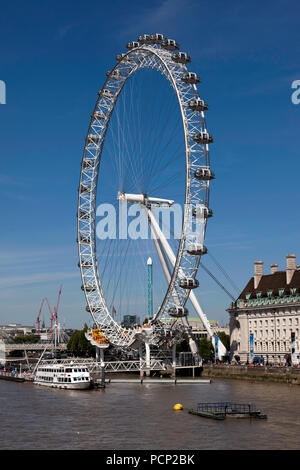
53,59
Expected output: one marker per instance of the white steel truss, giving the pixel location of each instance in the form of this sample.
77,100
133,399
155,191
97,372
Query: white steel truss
196,194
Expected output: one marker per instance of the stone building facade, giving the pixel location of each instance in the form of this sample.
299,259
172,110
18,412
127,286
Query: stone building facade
265,319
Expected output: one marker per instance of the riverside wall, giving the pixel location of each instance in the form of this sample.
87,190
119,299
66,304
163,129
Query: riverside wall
288,375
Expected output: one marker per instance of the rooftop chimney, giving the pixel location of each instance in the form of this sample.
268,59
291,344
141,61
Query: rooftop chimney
274,268
258,272
290,267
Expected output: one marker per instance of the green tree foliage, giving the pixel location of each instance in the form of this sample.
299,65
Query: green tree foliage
225,339
79,345
183,346
20,339
206,349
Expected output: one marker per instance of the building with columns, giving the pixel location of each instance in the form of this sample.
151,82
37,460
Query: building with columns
265,319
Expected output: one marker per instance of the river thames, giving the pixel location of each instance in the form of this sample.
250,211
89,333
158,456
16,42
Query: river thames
141,417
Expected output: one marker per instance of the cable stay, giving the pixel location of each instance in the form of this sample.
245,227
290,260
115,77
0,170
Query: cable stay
218,282
236,288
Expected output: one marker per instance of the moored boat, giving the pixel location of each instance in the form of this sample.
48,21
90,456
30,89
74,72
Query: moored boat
66,376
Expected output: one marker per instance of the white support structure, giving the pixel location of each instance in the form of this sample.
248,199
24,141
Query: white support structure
159,234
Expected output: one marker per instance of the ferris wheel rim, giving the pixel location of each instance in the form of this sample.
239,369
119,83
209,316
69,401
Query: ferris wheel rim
147,50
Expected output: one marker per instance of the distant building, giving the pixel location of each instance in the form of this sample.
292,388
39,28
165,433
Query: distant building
14,329
130,320
199,331
265,319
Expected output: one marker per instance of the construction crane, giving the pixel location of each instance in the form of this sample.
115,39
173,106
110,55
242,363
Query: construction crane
38,321
54,313
57,305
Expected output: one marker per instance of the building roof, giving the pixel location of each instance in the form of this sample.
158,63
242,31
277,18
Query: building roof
272,282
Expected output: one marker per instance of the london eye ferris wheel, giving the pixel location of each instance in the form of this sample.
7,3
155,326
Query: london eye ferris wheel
146,155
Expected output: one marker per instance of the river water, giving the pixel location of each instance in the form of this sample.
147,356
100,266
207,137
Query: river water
136,417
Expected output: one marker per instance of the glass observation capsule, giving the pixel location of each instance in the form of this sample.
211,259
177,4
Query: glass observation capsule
202,211
204,174
84,239
170,45
88,163
177,312
191,78
188,283
144,39
198,105
89,288
196,249
157,38
132,45
203,138
181,58
93,138
99,115
84,214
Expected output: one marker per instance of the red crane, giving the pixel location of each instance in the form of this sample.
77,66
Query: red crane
38,318
51,317
56,308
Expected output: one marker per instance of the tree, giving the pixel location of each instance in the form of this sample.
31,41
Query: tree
225,339
206,349
25,339
79,345
183,346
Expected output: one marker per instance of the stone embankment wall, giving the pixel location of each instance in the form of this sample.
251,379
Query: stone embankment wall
290,375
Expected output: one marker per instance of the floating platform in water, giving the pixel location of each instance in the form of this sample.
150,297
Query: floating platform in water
11,377
158,381
222,410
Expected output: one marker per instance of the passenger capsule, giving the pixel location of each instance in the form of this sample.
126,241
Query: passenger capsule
196,249
89,288
94,308
198,105
84,189
88,163
119,57
93,138
178,312
157,38
84,214
114,74
99,115
181,58
132,45
170,45
144,39
105,93
84,239
202,211
191,78
203,138
85,264
204,174
188,283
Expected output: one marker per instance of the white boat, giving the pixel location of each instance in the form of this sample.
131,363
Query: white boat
66,376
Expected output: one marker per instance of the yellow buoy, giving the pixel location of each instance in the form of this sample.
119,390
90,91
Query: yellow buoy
178,407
